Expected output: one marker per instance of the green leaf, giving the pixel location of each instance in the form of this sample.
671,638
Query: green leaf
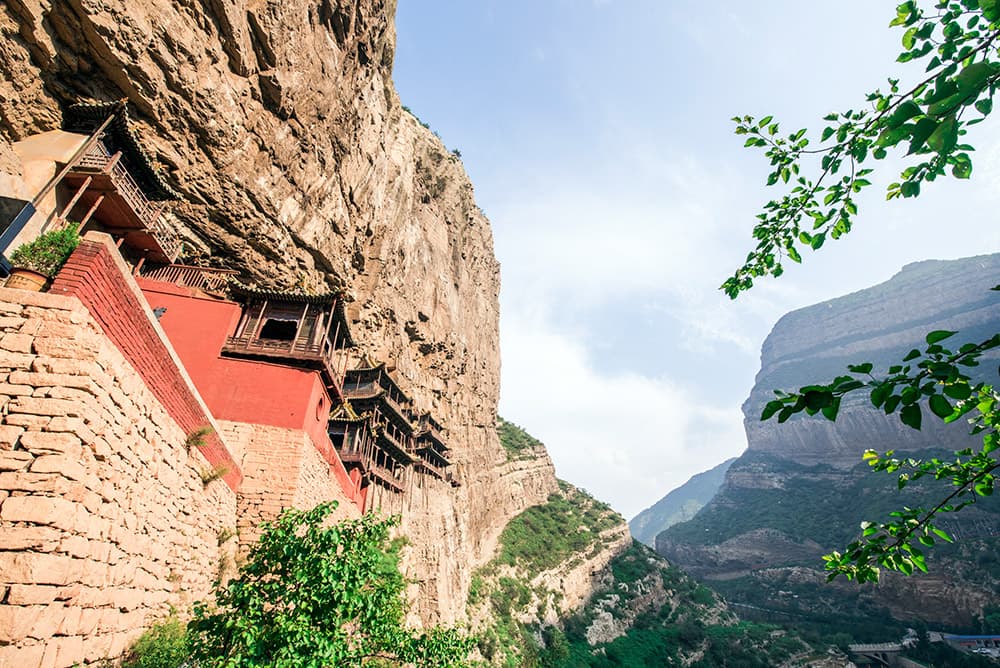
973,76
937,336
945,136
940,406
984,106
770,409
925,128
942,535
911,416
958,391
880,393
904,112
912,355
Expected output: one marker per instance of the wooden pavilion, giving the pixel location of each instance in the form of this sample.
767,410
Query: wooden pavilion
431,450
112,186
373,431
293,328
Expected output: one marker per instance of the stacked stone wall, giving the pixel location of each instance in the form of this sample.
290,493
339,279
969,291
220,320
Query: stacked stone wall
282,468
105,519
100,279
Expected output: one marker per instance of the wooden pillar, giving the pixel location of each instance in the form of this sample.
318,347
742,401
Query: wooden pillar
76,198
298,330
93,208
260,321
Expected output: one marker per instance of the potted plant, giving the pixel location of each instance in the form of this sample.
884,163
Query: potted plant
36,262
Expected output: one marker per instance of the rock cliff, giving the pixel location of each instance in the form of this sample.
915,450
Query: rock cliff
279,125
801,490
678,505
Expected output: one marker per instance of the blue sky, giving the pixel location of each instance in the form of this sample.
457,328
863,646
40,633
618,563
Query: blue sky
598,139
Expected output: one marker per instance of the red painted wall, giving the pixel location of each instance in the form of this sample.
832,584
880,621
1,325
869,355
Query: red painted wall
243,390
97,278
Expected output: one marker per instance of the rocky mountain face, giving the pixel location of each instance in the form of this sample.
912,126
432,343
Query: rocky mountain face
678,505
279,125
801,489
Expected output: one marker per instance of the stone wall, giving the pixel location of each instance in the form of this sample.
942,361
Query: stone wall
97,275
105,521
282,469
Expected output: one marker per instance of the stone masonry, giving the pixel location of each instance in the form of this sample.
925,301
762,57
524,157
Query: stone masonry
282,468
105,521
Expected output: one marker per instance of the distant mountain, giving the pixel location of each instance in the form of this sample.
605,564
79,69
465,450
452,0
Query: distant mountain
679,505
801,490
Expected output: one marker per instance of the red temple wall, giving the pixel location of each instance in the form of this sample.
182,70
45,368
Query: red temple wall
239,390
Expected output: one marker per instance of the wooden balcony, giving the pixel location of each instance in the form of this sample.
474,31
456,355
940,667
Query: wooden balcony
121,205
428,453
297,352
383,476
374,473
435,471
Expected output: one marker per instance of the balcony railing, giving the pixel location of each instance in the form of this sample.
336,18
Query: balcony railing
98,158
385,476
394,441
434,470
203,278
148,213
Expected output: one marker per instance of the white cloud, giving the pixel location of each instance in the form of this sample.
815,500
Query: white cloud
627,439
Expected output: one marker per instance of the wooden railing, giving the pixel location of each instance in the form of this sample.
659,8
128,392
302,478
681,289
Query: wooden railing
389,436
149,213
431,467
204,278
385,475
275,346
98,157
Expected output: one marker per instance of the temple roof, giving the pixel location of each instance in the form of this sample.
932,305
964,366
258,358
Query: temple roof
87,117
345,413
239,290
369,371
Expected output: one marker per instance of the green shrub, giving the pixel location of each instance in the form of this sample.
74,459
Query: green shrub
48,253
164,645
516,442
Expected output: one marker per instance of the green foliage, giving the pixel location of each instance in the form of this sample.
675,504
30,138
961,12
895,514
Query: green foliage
517,443
957,43
47,253
543,537
196,438
938,375
312,595
164,645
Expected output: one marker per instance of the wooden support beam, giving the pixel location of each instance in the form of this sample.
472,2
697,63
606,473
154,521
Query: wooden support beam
76,198
93,208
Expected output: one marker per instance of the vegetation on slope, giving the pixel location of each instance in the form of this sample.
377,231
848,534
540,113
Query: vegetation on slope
817,503
516,442
643,611
571,527
685,625
825,506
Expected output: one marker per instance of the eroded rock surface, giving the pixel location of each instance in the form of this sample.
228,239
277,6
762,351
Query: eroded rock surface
280,126
801,489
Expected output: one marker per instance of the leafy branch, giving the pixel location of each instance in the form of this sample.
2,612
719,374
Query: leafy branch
937,374
959,42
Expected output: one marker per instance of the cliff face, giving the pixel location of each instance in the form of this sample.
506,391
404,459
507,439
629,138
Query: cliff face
801,490
279,125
